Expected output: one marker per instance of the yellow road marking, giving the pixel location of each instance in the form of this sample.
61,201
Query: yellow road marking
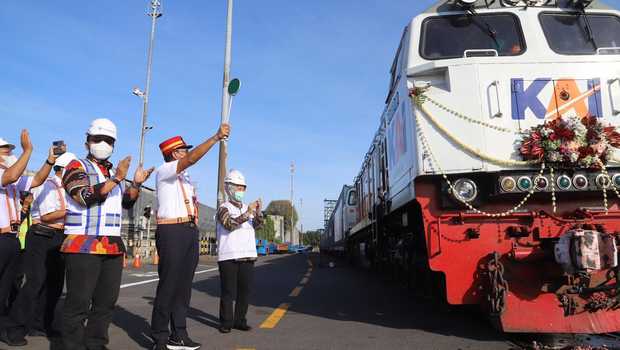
304,280
296,291
275,317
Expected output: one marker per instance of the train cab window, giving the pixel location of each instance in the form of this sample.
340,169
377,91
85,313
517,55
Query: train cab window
352,200
578,34
453,36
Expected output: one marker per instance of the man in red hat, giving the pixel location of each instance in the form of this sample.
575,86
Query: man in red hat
177,240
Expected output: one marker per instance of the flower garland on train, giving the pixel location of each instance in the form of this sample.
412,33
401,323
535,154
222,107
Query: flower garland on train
563,142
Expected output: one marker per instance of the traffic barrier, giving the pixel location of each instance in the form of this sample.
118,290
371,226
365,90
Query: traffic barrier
155,258
137,263
204,247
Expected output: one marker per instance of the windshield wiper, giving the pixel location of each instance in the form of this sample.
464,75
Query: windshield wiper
485,26
587,26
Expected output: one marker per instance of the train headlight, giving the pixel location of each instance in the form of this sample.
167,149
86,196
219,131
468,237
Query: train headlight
508,184
524,183
603,181
616,180
541,183
564,182
466,4
465,190
580,182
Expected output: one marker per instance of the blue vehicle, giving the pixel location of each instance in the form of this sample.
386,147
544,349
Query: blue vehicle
262,247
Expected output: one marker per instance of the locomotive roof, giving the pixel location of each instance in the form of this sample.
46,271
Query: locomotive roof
448,5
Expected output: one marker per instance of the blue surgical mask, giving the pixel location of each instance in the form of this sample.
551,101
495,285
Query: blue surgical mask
239,196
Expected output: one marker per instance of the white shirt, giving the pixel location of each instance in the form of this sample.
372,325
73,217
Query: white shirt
10,209
170,197
238,244
50,198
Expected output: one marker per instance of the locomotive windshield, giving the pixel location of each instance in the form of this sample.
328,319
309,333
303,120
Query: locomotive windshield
576,34
451,36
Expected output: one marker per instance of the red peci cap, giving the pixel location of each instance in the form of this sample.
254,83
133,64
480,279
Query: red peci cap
171,144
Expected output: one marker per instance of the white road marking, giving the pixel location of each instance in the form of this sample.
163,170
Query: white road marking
127,285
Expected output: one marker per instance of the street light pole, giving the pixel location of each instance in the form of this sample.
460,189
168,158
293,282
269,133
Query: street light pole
155,13
226,99
292,203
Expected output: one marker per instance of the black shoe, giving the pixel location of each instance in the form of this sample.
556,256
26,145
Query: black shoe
12,340
159,346
182,343
224,330
243,327
37,333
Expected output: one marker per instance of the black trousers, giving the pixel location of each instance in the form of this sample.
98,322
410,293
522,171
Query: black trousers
235,278
44,268
93,285
178,249
9,259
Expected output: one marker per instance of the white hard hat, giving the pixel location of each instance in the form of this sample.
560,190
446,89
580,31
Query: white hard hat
65,159
235,177
102,126
5,143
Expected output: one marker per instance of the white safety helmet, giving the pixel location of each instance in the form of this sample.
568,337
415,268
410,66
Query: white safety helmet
65,159
235,177
102,126
5,143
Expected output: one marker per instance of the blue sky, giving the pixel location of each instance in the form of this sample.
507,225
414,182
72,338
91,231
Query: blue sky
314,78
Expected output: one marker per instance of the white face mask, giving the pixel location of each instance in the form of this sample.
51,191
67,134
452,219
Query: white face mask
101,150
8,161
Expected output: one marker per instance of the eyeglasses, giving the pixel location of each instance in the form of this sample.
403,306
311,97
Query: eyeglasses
101,138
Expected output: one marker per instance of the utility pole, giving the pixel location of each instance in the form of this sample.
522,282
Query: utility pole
292,201
301,225
155,13
226,99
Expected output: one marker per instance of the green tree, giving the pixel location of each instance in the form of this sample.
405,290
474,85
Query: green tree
311,238
283,208
267,231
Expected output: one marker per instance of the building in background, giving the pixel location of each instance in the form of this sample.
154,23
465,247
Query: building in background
278,225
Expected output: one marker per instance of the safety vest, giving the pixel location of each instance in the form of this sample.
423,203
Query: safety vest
23,229
102,219
240,243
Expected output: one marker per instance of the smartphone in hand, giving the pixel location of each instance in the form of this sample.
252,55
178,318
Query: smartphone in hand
59,147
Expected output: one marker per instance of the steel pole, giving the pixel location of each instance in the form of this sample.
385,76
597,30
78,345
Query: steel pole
155,14
223,154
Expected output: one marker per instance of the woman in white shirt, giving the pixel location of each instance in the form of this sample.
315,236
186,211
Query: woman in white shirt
236,242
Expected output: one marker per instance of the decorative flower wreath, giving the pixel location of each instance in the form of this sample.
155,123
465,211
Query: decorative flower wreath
570,141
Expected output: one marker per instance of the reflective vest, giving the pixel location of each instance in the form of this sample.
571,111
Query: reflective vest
23,229
102,219
240,243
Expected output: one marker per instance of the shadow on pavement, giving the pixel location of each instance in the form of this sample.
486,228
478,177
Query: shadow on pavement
352,294
137,327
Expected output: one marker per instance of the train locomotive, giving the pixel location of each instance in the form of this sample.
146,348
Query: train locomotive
493,178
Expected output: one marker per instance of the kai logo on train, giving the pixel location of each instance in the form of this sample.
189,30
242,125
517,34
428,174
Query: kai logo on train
546,98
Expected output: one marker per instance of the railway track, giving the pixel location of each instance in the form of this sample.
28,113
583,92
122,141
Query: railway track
566,341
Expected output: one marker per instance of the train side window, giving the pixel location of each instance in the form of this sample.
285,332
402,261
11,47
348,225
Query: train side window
352,200
574,34
451,36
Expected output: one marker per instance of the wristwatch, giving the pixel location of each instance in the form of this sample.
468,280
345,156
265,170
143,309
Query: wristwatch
115,180
47,161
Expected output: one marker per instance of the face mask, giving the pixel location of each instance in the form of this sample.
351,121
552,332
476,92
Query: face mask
238,195
101,150
8,161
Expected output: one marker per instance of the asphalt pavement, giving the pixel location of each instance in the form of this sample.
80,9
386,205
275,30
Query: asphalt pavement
299,302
